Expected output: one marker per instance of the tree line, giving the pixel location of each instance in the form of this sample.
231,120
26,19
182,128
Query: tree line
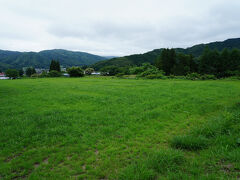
220,64
212,62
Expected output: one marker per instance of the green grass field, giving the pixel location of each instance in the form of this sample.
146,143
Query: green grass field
107,128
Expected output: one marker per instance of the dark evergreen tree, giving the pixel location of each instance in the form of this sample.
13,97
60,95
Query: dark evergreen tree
55,66
167,61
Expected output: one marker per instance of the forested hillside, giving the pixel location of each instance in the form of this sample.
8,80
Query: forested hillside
42,59
150,57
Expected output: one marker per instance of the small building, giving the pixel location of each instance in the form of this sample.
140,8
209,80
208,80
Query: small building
3,76
63,69
95,73
66,75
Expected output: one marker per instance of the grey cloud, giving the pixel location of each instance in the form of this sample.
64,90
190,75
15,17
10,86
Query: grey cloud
115,27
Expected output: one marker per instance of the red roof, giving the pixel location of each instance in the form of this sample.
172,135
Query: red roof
2,74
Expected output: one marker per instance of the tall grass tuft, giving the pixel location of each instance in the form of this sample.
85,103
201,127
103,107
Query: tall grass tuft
166,160
189,142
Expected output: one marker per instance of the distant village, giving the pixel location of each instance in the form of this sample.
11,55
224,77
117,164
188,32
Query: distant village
42,71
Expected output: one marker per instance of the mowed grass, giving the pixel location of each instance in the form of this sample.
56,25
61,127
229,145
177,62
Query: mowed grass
100,128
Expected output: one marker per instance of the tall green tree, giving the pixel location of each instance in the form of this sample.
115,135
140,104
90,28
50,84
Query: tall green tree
234,60
30,71
55,65
12,73
166,61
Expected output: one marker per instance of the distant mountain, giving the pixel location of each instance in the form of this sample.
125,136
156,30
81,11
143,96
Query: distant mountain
219,45
110,57
42,59
151,56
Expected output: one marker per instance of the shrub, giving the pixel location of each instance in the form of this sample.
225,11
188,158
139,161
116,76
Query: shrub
152,73
189,142
35,75
171,76
156,76
44,74
75,72
110,70
89,71
120,75
54,73
208,76
136,70
193,76
149,72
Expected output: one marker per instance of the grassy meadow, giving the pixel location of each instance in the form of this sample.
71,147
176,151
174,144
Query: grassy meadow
110,128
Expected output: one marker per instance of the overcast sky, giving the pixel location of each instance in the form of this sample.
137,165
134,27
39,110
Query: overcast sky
115,27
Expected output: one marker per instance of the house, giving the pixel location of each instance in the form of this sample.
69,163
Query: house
2,75
40,71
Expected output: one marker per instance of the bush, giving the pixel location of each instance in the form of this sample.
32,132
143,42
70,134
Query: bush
189,142
89,71
171,76
120,75
193,76
136,70
156,76
54,73
44,74
110,70
75,72
35,75
151,72
208,76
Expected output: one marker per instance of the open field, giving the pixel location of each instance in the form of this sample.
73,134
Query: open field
103,128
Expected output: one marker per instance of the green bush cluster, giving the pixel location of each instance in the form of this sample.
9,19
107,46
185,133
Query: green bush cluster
75,72
54,73
196,76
